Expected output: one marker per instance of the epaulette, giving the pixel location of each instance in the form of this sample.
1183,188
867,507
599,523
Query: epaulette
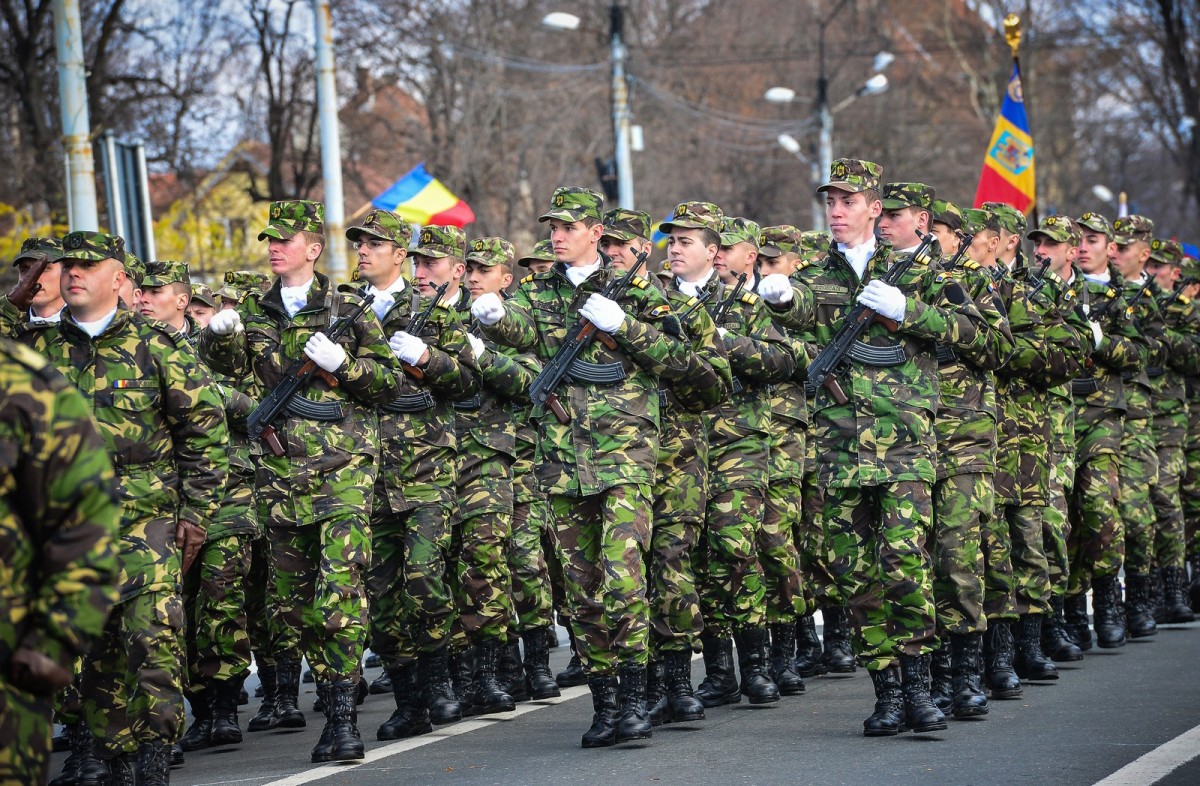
1184,300
527,279
941,277
802,265
353,298
749,298
639,282
692,301
971,264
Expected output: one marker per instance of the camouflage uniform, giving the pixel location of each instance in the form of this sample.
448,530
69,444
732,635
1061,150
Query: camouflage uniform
12,319
58,531
1190,488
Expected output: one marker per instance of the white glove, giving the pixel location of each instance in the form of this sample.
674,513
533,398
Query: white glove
605,314
722,332
776,289
326,354
407,347
1097,333
225,322
885,299
488,308
476,345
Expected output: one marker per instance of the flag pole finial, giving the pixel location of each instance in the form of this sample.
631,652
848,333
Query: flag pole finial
1012,32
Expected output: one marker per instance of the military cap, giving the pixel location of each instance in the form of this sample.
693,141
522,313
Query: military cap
694,215
626,225
901,195
1076,232
1096,222
813,243
93,246
162,272
135,268
441,241
1130,229
778,240
977,219
948,213
1058,228
1166,252
853,175
542,251
384,225
290,216
203,294
574,203
1191,268
39,248
1009,217
239,282
491,251
735,229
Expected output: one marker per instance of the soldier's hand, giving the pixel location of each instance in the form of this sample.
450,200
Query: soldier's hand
1097,333
605,314
488,308
409,348
35,673
884,299
477,345
325,353
189,538
776,289
225,322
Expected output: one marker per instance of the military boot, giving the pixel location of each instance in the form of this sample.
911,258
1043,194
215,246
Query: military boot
340,740
605,712
1076,615
123,770
1175,599
808,648
941,688
512,674
1106,605
199,734
888,718
265,717
682,705
287,694
462,679
1194,586
656,692
225,728
154,763
79,738
1159,596
719,685
838,656
1139,615
538,679
783,659
410,718
752,651
634,721
966,667
1031,663
573,674
93,768
433,673
1055,640
372,661
919,713
489,697
381,684
998,654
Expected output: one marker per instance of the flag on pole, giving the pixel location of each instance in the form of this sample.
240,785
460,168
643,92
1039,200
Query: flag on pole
1008,171
421,198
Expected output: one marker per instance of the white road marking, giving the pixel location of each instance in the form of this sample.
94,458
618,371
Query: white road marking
1158,763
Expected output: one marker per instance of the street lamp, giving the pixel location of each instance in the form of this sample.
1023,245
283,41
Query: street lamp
791,145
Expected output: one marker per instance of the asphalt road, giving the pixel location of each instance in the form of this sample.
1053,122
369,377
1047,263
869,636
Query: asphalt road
1102,714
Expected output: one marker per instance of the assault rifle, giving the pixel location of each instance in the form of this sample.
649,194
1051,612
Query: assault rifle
21,296
417,324
579,337
260,423
1183,284
1038,279
727,303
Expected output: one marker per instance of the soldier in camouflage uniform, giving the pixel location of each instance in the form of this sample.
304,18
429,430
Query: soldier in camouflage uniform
1189,491
47,300
202,305
58,526
314,500
598,467
162,422
540,259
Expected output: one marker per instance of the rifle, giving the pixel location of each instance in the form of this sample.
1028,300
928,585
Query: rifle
260,423
701,299
727,302
579,337
1038,279
417,324
1097,314
27,287
964,245
1183,284
832,356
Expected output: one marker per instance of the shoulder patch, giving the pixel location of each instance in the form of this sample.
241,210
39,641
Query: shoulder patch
640,282
941,278
802,265
658,312
971,264
1184,300
527,279
749,298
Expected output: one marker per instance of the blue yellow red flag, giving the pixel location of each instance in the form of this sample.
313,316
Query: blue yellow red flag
1008,167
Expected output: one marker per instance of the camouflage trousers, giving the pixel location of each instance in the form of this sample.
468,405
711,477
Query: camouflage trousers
558,591
820,588
214,597
602,540
1137,474
783,583
258,613
1189,490
1168,508
963,506
876,538
996,548
131,680
1019,584
412,606
25,730
1056,522
1097,539
482,581
728,572
532,604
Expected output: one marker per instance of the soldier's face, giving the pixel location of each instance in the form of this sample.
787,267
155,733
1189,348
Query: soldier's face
851,217
1058,253
431,272
379,261
622,252
164,303
293,259
200,312
91,287
539,265
947,238
687,255
784,264
899,227
734,260
1094,252
1130,258
50,295
1164,275
574,242
482,279
984,246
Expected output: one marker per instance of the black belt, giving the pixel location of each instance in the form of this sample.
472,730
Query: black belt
1084,386
410,402
1155,372
472,404
946,355
870,355
327,411
596,373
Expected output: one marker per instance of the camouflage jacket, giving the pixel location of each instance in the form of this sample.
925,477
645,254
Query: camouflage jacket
162,420
708,379
1177,360
1068,299
58,514
612,438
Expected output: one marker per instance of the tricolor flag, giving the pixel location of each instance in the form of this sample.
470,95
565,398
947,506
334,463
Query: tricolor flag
421,198
1008,173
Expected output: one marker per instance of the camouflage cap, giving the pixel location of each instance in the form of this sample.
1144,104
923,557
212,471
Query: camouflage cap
1058,228
93,246
1191,267
813,243
491,251
135,268
1095,222
239,282
1009,218
542,251
948,213
782,239
626,225
294,215
1166,252
384,225
441,241
1130,229
162,272
735,229
694,215
902,195
203,294
39,248
977,219
853,175
574,203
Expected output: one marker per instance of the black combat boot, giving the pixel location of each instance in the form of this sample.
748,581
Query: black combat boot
411,718
1194,586
1159,596
919,713
1056,642
719,686
80,740
605,712
199,735
433,673
489,697
808,648
573,674
462,679
381,684
93,768
372,661
752,651
342,719
1031,663
1106,608
838,656
539,681
512,674
265,717
1139,606
123,770
634,721
1175,599
1076,615
656,692
998,654
888,718
177,755
682,704
154,763
287,694
783,659
967,668
941,682
225,728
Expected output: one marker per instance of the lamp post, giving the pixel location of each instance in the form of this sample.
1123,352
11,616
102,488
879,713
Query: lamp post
790,144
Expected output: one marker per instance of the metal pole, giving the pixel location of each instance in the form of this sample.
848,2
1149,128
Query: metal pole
331,148
620,112
825,121
144,187
112,184
72,87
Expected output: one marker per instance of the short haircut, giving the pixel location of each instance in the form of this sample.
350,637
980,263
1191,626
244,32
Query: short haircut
872,194
590,221
314,237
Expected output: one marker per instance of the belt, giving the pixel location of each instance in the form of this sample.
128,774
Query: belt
315,410
1155,372
410,402
472,404
597,373
870,355
946,355
1084,386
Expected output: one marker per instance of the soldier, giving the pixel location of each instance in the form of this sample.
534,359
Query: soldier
203,304
1189,490
58,519
45,303
131,287
540,259
598,466
314,500
163,426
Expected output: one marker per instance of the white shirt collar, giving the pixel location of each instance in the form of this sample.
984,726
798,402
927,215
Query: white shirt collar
54,318
1102,277
96,327
385,298
859,255
577,275
692,288
295,298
